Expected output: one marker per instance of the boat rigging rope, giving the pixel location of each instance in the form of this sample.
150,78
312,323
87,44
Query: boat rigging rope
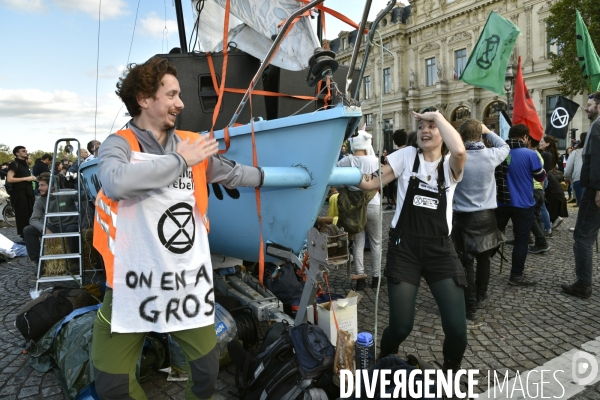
127,64
97,69
165,31
199,7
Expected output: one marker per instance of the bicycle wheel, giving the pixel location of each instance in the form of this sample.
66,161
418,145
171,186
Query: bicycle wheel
9,215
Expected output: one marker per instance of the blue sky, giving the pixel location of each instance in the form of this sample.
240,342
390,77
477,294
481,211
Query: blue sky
49,54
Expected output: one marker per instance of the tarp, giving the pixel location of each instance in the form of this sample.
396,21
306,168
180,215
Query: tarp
252,27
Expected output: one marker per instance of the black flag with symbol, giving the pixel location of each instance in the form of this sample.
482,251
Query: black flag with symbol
561,116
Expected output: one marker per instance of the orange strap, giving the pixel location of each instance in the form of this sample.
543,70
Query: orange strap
223,79
273,94
261,250
337,327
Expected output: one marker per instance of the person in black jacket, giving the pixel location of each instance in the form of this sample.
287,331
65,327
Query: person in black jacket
588,218
22,197
41,165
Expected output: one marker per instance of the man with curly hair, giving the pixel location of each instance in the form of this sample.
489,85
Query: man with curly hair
151,229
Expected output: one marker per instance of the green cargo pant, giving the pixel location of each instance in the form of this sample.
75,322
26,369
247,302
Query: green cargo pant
115,358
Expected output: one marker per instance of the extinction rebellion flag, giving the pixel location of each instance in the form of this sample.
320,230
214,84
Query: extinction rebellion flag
486,67
561,116
589,62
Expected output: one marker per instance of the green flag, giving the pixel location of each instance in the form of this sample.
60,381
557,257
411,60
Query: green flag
486,67
588,58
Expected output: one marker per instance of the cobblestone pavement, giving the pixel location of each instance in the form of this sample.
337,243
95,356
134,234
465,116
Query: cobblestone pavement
519,329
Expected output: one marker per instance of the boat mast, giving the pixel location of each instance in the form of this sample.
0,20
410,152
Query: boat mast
181,27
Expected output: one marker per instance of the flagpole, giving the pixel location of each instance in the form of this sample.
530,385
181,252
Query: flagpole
451,95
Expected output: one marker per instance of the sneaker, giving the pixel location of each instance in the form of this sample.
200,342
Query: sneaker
571,229
389,207
472,315
557,222
572,201
520,280
578,289
548,235
482,302
539,249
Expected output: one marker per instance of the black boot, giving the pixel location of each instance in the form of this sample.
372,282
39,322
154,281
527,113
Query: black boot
376,280
361,284
578,289
450,364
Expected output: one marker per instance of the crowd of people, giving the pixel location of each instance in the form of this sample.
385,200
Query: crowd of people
456,193
29,187
453,193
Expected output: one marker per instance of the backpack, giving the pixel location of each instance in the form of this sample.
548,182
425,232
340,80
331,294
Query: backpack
286,285
300,359
38,315
352,208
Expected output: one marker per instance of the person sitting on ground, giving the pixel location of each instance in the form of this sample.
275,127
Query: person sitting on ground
523,164
363,157
475,233
419,238
63,203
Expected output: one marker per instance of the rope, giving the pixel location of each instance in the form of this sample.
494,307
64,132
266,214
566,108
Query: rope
97,70
247,329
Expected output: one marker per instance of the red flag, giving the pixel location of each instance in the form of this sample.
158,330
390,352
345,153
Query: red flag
523,109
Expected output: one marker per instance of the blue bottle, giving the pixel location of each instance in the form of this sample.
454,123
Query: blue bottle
364,351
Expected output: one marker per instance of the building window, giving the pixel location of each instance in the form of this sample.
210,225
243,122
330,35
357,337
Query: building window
386,45
344,43
367,87
553,46
460,115
369,119
387,81
431,72
460,57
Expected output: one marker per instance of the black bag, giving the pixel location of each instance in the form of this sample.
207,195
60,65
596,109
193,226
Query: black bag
38,315
314,351
283,282
286,369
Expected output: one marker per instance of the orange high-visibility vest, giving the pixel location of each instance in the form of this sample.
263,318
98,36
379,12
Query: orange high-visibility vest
105,223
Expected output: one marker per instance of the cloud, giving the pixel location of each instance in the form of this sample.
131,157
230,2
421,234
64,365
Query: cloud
110,8
34,103
25,5
154,26
106,72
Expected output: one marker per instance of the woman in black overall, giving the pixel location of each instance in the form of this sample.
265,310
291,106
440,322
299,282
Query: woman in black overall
419,240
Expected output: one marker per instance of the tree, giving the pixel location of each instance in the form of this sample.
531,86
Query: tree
561,28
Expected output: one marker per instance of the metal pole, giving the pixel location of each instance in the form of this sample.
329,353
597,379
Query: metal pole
379,17
181,27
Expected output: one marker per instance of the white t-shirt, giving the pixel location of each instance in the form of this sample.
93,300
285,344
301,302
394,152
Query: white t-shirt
367,165
402,162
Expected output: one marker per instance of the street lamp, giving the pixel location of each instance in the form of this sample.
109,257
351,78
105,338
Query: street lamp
509,81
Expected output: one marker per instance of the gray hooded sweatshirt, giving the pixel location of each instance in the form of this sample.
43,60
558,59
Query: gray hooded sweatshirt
123,180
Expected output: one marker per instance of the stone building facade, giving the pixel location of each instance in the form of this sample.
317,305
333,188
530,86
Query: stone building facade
428,43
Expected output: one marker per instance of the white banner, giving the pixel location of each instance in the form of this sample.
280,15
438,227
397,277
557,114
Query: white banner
162,269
